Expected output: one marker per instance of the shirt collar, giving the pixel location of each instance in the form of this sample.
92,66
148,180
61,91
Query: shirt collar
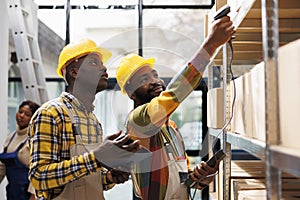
76,103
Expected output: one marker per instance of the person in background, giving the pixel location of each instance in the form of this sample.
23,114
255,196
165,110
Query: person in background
15,157
69,159
149,120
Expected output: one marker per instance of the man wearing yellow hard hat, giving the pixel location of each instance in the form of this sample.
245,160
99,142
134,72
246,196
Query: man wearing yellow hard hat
149,121
69,160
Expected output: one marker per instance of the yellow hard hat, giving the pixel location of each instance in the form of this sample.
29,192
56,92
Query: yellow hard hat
128,66
79,49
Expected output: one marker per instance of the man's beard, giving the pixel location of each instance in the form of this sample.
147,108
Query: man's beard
146,98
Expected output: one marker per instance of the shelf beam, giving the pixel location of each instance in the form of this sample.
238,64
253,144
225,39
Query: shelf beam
286,159
252,146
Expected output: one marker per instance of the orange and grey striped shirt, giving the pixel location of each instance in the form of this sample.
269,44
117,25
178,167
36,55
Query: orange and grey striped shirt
151,125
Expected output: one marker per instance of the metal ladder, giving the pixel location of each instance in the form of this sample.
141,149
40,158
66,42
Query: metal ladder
24,28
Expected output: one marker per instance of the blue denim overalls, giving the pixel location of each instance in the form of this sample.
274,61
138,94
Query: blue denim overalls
16,174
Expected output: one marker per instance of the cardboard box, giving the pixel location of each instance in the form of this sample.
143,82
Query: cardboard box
219,182
248,104
257,89
252,195
248,169
215,108
289,93
247,178
249,111
238,119
240,170
290,195
238,185
262,195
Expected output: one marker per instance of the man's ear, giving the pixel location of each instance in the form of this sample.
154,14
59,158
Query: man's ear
73,72
132,96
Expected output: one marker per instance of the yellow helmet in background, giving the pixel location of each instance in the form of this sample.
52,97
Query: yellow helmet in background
128,66
78,49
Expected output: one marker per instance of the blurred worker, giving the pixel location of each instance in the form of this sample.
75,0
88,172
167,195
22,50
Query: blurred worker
15,157
67,151
150,123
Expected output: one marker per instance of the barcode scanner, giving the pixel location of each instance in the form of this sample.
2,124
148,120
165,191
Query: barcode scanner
222,12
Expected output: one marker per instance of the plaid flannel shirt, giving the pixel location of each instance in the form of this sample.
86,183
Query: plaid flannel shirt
51,137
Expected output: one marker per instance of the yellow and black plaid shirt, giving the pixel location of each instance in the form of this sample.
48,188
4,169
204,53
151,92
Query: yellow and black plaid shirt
51,137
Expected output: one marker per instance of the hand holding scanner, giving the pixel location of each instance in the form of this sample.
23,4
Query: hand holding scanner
211,162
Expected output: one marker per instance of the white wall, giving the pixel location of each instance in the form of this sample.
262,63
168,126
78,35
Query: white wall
3,81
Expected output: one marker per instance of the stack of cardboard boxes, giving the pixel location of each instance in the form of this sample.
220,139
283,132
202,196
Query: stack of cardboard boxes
249,106
247,179
247,182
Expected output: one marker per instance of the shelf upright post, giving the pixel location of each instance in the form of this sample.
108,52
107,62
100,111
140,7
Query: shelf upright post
270,47
224,144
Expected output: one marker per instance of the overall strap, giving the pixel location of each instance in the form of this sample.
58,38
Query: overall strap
11,139
22,144
68,111
74,126
170,135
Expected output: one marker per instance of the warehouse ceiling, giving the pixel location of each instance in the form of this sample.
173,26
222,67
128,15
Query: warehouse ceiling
170,34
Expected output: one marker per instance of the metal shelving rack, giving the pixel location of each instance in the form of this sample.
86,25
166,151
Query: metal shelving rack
252,146
270,49
276,157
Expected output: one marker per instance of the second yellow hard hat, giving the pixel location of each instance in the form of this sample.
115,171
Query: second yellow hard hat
128,66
